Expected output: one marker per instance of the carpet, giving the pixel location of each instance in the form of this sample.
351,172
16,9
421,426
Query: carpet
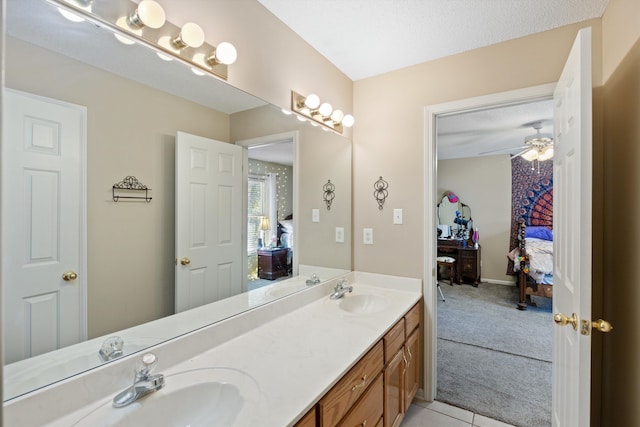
493,359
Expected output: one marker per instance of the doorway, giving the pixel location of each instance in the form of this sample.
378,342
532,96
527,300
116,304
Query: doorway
431,195
271,182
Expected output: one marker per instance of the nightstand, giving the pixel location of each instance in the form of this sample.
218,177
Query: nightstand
272,263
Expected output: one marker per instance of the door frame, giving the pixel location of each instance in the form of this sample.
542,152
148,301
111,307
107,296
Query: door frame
431,113
277,138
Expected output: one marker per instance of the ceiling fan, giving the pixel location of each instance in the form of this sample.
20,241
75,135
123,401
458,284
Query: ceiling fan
538,146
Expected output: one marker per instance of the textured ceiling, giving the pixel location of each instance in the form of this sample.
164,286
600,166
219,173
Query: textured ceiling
365,38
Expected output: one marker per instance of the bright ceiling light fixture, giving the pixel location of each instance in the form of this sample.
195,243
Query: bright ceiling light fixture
147,25
320,113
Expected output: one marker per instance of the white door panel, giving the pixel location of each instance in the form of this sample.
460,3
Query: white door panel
208,220
572,177
43,225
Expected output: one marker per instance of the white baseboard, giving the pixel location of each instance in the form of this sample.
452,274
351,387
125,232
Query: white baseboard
498,282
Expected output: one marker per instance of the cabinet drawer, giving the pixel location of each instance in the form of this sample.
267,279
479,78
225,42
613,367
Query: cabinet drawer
337,402
412,319
393,341
369,409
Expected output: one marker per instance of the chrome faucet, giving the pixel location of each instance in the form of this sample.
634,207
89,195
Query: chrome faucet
143,383
340,289
314,280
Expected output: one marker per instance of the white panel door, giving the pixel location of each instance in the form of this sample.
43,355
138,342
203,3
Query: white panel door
208,221
572,180
43,225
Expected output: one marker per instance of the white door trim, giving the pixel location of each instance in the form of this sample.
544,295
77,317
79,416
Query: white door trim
431,113
293,136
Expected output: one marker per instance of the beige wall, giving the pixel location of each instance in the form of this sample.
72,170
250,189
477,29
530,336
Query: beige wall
484,183
130,131
621,112
272,59
389,136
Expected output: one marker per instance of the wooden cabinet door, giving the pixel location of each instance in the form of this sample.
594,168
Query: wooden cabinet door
308,420
394,390
412,372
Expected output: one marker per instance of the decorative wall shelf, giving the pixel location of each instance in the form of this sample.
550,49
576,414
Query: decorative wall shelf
127,185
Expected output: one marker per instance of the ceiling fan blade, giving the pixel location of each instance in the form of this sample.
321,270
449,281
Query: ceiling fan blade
503,150
520,153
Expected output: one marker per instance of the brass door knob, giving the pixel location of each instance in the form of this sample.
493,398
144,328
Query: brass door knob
602,325
563,319
70,276
185,261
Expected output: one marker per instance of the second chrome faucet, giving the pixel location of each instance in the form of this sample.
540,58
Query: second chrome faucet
340,289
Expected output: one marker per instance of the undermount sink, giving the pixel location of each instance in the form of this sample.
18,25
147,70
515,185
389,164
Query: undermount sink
363,304
208,397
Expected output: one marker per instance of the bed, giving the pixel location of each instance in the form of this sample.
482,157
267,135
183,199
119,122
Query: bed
285,238
533,262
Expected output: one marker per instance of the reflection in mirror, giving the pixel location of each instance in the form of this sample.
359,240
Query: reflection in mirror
454,217
134,104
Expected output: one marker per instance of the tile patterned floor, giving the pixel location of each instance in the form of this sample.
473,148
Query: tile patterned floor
438,414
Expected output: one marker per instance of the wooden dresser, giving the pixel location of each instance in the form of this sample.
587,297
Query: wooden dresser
272,263
467,260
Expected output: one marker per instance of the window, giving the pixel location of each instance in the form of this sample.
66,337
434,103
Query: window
256,210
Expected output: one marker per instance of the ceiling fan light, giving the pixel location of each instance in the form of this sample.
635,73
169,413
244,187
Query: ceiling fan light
530,155
546,154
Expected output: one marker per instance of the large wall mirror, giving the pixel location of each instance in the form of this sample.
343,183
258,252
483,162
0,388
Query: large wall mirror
135,104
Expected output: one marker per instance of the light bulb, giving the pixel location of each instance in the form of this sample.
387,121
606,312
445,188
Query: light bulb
546,154
348,121
148,13
70,15
312,101
226,53
337,116
325,109
530,155
190,35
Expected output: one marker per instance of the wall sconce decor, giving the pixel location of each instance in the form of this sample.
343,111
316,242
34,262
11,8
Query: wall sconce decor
311,108
130,183
329,193
145,23
380,192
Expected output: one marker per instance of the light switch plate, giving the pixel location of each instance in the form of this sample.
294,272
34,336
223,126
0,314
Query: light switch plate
339,234
315,215
367,236
397,216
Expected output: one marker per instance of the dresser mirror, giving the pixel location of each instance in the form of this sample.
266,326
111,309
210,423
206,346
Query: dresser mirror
453,216
131,245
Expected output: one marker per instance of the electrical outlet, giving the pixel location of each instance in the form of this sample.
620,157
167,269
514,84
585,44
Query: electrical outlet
367,236
397,216
315,215
339,234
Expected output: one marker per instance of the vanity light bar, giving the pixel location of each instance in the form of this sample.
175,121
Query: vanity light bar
310,108
108,14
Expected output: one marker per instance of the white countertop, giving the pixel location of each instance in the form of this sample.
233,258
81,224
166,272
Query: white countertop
292,359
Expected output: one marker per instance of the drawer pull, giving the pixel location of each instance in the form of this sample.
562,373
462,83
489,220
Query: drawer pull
364,423
357,386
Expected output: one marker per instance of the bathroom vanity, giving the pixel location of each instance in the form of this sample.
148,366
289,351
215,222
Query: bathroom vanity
302,360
